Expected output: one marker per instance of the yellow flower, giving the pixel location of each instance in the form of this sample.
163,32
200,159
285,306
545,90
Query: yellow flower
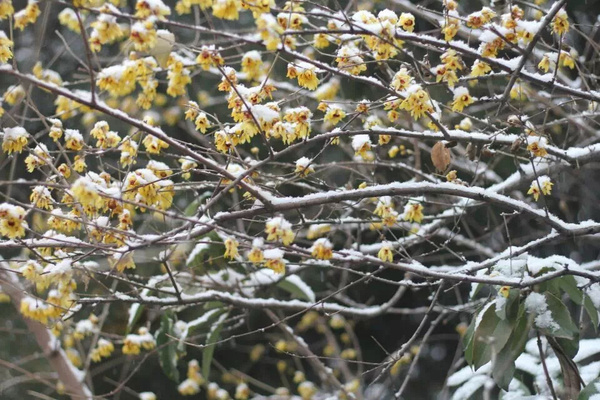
278,228
445,74
147,8
546,187
274,260
321,41
73,140
242,392
256,256
6,9
307,390
226,9
40,197
322,249
5,47
188,388
334,115
361,145
401,80
208,57
303,167
202,122
537,145
28,15
407,21
154,145
122,261
417,102
566,60
251,65
480,68
413,211
450,27
12,221
462,98
103,349
560,23
14,94
14,139
386,252
231,248
79,164
544,64
143,35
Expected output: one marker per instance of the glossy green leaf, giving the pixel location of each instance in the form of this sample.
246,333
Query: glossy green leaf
569,285
504,363
561,315
167,347
484,334
591,310
209,350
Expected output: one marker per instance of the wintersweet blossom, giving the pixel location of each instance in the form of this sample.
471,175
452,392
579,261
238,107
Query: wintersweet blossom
413,211
14,139
541,185
12,221
322,249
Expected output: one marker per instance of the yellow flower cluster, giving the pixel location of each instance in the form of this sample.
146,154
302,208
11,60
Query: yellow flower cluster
147,8
132,344
227,9
6,9
541,185
103,349
560,22
279,229
38,157
5,48
191,385
28,15
209,57
145,188
105,30
417,102
231,248
143,34
178,75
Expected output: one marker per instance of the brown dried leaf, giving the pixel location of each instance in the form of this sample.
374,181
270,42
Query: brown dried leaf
440,156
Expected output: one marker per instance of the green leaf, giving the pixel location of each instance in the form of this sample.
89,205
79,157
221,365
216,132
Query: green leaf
504,363
590,390
209,350
467,342
588,304
510,307
296,287
484,334
569,285
135,311
561,315
167,347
